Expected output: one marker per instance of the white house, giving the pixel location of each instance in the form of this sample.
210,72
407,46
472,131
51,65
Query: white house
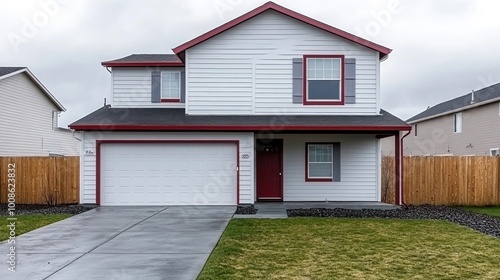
29,116
271,106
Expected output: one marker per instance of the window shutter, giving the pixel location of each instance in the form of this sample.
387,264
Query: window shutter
336,162
350,80
155,86
183,87
297,81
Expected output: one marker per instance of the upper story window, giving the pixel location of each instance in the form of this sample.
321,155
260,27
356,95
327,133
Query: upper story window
170,86
457,123
323,83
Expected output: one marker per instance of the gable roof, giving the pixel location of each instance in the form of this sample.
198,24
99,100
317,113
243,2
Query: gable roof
167,119
384,52
145,60
6,72
481,97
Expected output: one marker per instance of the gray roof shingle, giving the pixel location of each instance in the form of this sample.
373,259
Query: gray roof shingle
148,58
485,94
116,117
7,70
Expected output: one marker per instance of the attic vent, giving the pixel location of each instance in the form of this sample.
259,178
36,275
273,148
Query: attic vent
495,152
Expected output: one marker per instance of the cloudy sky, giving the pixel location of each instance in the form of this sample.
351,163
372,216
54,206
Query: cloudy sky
441,48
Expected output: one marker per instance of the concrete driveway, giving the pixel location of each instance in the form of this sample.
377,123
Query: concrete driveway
117,243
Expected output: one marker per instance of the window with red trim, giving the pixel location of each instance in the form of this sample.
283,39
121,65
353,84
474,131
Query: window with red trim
319,162
324,79
170,86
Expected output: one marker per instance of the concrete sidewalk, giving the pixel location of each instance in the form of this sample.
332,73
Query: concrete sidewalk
121,243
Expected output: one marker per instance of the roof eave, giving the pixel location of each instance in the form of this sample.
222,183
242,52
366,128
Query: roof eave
143,64
478,104
354,128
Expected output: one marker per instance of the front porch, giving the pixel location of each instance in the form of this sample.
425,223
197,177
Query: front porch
277,210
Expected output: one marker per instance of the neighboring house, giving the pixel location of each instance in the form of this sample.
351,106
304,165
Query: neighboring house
271,106
466,125
29,117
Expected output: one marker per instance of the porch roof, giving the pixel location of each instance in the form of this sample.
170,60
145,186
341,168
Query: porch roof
167,119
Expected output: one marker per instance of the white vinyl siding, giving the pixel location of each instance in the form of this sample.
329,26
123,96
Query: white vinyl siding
132,87
28,121
359,174
88,166
248,69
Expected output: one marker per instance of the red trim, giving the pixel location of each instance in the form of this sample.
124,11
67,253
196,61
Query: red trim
331,128
397,166
280,9
304,81
98,158
172,100
307,179
143,63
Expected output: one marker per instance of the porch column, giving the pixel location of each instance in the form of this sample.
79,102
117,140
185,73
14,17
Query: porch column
397,167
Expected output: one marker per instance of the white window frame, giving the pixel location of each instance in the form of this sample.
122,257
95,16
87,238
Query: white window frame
308,146
496,150
340,79
161,85
457,122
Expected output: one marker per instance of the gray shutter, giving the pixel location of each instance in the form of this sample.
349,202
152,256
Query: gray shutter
336,162
350,80
183,87
155,86
297,81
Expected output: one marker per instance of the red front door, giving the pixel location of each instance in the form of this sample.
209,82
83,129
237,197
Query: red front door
269,171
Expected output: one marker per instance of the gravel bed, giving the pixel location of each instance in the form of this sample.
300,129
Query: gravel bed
482,223
246,210
45,209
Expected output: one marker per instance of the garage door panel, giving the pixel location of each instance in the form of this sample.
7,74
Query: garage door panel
168,174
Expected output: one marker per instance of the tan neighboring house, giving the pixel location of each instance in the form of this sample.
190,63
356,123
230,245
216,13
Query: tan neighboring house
466,125
29,117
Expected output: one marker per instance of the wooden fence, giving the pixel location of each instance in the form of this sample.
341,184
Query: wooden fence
450,180
41,180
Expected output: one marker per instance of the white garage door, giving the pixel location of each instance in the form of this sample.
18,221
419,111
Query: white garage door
168,174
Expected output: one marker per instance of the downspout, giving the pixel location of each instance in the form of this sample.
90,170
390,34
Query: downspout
401,198
75,136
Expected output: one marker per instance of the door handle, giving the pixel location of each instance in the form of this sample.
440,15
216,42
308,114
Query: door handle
280,173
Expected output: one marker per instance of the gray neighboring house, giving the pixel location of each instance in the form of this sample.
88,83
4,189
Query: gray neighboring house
29,116
466,125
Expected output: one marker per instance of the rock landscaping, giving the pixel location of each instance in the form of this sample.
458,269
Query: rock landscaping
482,223
22,209
246,210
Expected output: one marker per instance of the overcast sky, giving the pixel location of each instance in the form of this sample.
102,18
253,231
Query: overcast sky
441,48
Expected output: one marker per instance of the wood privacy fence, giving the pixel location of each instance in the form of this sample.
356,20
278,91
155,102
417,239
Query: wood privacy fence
450,180
41,180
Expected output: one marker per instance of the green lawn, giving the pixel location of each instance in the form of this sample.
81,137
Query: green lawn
27,223
491,210
328,248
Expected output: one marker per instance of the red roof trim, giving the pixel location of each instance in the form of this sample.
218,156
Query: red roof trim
273,6
236,128
143,63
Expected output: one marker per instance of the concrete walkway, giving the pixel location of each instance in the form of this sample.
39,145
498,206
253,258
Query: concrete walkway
277,210
117,243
